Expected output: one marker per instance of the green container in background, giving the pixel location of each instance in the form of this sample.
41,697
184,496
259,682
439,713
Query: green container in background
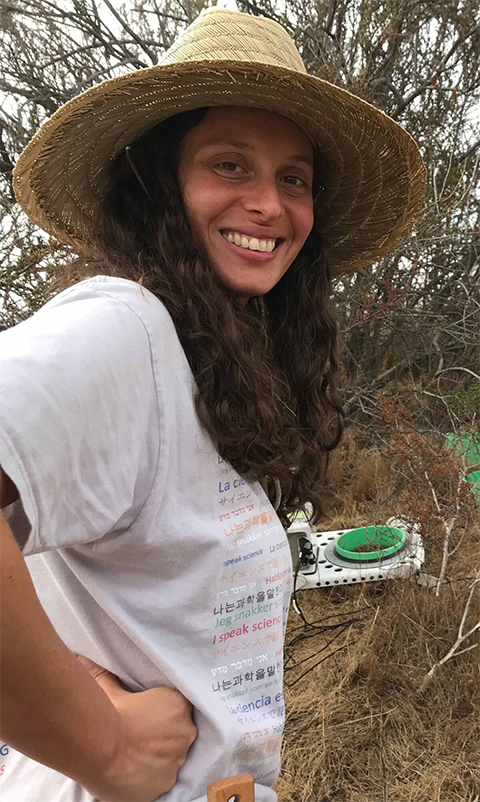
474,480
468,444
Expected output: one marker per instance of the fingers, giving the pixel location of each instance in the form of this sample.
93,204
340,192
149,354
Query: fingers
108,681
193,735
179,705
89,664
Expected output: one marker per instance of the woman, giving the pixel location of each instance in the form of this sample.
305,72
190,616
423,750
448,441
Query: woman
160,420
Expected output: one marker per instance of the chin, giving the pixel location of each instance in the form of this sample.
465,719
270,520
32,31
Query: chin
252,292
251,289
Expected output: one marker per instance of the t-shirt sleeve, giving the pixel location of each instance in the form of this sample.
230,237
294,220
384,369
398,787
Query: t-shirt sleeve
79,426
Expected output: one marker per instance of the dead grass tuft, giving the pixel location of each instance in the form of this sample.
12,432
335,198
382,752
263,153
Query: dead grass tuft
358,727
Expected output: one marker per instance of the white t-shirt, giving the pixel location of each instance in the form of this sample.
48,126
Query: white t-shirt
149,554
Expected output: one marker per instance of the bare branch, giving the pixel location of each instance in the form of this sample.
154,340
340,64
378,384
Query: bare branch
461,637
152,56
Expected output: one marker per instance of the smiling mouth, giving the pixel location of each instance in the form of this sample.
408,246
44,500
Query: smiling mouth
251,243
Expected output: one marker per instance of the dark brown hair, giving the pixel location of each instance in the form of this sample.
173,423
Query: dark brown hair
265,372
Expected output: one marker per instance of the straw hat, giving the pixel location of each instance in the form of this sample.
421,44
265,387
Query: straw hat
372,171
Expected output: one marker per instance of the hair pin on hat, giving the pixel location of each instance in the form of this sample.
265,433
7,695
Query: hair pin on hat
139,177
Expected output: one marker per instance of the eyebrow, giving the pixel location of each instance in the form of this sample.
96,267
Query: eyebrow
236,143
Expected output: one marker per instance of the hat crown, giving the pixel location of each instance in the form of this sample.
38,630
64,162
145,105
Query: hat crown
220,34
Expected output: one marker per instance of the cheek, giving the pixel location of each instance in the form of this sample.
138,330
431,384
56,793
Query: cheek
304,221
204,204
191,205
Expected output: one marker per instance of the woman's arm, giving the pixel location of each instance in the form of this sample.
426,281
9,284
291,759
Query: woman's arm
8,491
52,709
122,747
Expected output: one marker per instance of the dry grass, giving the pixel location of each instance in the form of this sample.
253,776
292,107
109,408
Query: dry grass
358,727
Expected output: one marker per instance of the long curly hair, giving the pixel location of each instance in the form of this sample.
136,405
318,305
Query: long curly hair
265,372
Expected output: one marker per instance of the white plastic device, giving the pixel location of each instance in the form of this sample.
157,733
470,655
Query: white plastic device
325,567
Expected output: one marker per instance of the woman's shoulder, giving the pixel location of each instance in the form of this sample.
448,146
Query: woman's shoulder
111,288
103,306
101,315
102,320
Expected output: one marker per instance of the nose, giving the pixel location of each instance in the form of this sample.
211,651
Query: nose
263,197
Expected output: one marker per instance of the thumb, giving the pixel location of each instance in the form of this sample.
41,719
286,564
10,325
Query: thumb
107,681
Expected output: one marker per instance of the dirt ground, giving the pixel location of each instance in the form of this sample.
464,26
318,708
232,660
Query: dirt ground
363,726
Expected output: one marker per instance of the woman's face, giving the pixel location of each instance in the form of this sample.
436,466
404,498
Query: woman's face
246,180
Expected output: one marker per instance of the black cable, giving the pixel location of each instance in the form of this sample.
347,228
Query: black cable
313,624
317,628
290,646
291,684
334,615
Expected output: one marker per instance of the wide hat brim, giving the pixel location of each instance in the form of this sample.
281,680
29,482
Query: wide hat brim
371,169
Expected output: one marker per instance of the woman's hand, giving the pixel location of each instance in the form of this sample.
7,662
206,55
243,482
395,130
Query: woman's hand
156,733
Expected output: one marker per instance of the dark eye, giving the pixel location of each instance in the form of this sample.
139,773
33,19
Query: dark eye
291,178
228,166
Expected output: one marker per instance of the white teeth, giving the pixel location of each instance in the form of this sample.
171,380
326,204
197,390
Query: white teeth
254,244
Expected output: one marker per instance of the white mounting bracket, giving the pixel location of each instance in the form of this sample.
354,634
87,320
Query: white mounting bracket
329,568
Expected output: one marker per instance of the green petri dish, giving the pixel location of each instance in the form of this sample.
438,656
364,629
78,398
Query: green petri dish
355,544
